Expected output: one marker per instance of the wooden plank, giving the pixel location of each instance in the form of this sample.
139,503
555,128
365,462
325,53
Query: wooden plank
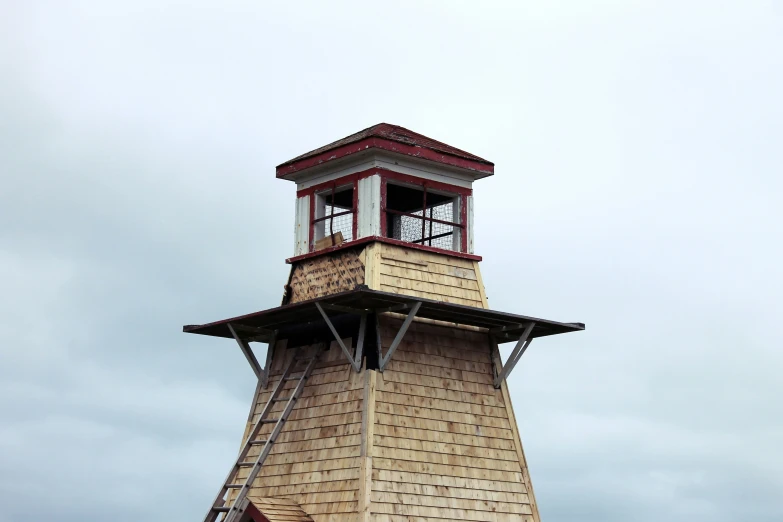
318,422
440,393
371,262
325,410
447,513
422,256
426,457
441,404
322,366
309,488
441,415
383,517
436,269
392,257
517,439
481,287
449,449
313,455
424,338
442,426
435,288
367,450
443,469
448,481
445,438
318,411
439,501
439,371
443,362
425,276
316,444
450,491
330,508
322,400
429,295
341,517
338,430
311,477
329,241
436,382
469,356
308,467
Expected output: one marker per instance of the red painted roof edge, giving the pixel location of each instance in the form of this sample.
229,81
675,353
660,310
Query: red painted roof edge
381,239
391,138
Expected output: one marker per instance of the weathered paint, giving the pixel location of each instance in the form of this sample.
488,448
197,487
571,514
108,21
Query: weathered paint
470,224
302,226
391,138
369,207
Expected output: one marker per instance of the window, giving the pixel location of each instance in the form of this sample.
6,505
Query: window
419,215
335,215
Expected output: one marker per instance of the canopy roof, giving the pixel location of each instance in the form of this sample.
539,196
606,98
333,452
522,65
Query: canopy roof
289,319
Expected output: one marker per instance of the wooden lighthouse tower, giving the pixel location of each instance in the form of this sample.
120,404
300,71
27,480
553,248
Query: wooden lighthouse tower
382,396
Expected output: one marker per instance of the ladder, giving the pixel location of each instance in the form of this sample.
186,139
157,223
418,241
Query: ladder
232,510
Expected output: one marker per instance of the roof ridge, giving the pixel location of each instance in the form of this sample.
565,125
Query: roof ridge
394,133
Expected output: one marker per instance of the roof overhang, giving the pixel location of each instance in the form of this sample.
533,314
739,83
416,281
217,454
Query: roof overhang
289,319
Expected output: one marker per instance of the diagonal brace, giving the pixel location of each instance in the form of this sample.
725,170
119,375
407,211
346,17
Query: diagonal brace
355,362
400,334
516,354
261,373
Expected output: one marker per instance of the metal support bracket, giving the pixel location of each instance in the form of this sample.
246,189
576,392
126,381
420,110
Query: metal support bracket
261,372
383,360
516,354
356,362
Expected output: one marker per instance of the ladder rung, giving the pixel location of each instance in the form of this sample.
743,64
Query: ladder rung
269,421
281,399
259,442
293,378
246,464
234,486
221,509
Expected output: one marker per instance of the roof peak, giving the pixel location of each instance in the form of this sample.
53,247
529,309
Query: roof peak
390,137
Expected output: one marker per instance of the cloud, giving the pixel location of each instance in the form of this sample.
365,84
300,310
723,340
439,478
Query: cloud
637,191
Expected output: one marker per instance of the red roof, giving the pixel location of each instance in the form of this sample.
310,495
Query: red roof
392,138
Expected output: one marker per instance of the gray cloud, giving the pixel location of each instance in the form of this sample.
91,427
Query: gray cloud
637,151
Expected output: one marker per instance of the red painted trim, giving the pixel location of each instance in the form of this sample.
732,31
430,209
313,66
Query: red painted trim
253,514
446,187
392,146
387,240
350,179
385,176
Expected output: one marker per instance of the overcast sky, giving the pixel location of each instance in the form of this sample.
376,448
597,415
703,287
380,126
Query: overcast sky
638,189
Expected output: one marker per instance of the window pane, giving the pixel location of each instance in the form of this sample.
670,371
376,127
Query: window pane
408,228
325,207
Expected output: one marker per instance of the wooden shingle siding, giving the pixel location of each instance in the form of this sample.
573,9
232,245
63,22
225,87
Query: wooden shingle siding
315,461
429,275
444,447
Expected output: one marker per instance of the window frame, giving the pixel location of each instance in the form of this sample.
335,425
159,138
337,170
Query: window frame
461,195
325,188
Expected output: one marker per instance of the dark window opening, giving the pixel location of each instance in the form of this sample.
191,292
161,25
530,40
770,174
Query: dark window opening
421,216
